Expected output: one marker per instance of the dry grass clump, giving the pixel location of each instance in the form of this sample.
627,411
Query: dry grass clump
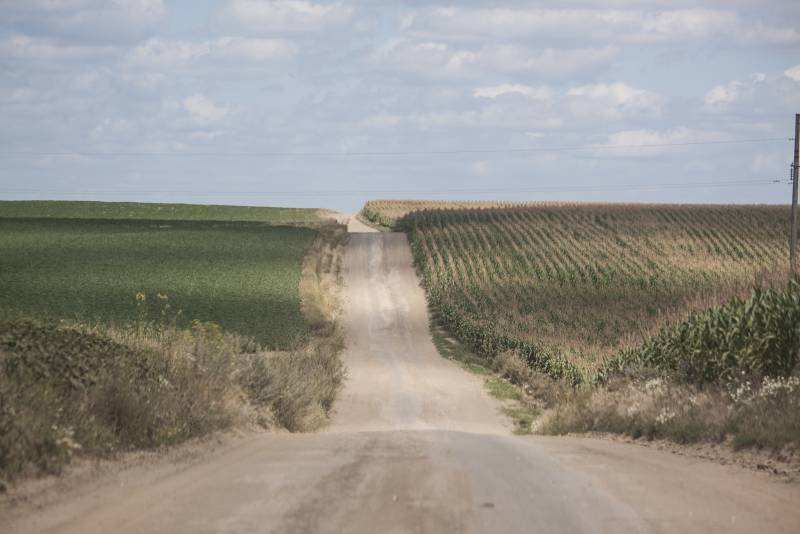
744,412
762,413
74,390
298,387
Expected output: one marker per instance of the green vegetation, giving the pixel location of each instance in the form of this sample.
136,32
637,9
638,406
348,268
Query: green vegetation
59,209
756,337
570,286
244,276
75,390
729,372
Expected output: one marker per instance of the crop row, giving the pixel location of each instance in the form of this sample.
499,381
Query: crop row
570,285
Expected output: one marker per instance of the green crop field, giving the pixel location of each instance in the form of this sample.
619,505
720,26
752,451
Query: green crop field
58,209
572,285
242,275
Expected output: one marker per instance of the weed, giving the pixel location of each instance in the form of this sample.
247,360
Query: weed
501,389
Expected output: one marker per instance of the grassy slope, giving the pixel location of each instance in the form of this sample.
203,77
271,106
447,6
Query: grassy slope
242,275
583,281
171,212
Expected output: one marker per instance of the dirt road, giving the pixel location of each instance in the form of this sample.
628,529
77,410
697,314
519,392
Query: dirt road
416,445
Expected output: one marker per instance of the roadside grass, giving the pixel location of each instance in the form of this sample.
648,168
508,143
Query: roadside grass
502,390
727,374
244,276
516,405
666,392
60,209
70,389
746,413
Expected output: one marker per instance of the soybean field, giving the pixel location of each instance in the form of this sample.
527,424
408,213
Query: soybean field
60,209
102,266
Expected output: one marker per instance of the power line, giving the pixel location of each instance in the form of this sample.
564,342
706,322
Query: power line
393,153
434,192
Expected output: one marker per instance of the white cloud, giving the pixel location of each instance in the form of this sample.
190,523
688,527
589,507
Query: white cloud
112,128
480,168
86,20
722,95
793,73
441,60
500,114
765,163
535,93
204,109
753,100
156,52
613,101
603,25
535,107
645,139
280,16
37,49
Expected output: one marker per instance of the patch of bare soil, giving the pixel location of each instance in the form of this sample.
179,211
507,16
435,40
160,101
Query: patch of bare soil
87,475
784,464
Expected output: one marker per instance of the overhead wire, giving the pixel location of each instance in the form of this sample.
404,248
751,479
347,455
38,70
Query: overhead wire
569,148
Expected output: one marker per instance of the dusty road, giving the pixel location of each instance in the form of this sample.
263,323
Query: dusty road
416,445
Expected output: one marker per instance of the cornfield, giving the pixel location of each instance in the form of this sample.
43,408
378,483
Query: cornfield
571,285
388,212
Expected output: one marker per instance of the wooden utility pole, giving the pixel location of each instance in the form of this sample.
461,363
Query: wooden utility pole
795,169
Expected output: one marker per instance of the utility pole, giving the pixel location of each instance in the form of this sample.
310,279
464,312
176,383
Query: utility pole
795,168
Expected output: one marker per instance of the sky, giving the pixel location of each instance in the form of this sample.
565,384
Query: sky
328,104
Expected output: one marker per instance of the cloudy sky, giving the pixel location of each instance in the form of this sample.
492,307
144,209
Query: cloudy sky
312,103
